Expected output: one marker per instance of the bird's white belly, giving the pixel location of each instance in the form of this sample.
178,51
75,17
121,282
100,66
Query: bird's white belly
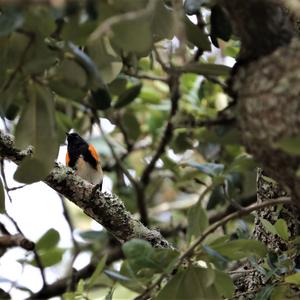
88,173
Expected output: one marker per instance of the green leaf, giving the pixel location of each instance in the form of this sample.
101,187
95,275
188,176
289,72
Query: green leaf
10,20
218,259
268,226
49,240
77,31
128,96
39,19
224,284
238,249
265,293
217,197
133,283
36,127
50,258
197,221
39,57
99,269
101,99
193,283
136,248
108,62
163,259
282,229
162,24
141,256
69,80
95,79
220,25
196,36
290,145
210,169
207,69
131,125
243,163
94,235
133,36
281,292
2,197
294,279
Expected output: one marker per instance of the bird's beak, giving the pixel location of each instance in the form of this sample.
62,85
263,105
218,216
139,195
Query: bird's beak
67,134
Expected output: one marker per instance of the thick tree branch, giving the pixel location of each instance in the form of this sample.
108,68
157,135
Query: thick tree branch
260,35
16,240
104,208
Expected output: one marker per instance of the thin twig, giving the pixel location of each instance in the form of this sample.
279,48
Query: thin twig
36,255
211,229
168,132
118,161
235,215
138,188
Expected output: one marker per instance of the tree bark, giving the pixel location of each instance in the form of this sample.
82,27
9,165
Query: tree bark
105,208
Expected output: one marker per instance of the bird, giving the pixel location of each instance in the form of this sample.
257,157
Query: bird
84,159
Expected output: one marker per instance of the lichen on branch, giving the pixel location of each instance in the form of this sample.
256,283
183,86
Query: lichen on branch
105,208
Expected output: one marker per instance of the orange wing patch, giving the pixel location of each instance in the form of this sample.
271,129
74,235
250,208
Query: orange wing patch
67,159
94,152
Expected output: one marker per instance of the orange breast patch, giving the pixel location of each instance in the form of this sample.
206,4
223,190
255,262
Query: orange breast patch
67,159
94,152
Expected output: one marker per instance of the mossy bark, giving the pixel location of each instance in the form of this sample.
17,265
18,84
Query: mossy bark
105,208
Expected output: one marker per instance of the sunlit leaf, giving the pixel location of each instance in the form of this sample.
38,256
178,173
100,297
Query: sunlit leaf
50,258
282,229
294,278
238,249
268,226
197,220
49,240
99,269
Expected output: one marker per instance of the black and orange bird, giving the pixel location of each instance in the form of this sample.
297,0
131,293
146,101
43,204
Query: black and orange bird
84,159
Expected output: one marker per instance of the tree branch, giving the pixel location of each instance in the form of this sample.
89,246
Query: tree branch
16,240
167,135
60,286
211,229
104,208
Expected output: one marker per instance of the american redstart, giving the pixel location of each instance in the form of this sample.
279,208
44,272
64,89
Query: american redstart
84,159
